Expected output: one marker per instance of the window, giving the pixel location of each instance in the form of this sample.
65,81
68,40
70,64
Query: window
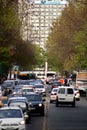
69,91
61,91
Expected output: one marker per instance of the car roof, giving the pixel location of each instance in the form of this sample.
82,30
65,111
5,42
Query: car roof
39,84
9,81
17,98
9,107
65,87
33,93
27,87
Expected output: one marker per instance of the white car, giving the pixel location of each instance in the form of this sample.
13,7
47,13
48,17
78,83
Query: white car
65,95
40,88
53,95
27,89
77,94
11,118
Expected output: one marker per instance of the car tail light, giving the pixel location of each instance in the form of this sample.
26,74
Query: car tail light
77,92
52,94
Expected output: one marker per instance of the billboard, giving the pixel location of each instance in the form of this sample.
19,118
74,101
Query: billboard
49,2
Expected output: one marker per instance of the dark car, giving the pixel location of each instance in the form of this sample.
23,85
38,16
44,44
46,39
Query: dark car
36,103
8,86
55,84
23,105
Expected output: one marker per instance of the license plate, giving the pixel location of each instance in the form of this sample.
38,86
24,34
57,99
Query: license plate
62,98
10,128
32,108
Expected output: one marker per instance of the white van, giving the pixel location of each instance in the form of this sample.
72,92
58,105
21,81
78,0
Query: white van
65,95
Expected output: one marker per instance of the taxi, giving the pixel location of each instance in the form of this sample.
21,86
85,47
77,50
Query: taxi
3,101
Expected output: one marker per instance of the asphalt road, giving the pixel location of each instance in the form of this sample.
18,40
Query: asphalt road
61,118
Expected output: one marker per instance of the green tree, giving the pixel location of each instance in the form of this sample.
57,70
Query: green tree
13,50
64,39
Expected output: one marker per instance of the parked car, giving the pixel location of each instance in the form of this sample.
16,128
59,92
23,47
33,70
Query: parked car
36,103
53,95
11,118
65,95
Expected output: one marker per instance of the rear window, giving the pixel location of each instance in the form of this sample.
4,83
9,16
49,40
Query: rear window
69,91
61,91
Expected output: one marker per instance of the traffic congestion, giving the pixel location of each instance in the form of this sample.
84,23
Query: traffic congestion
27,97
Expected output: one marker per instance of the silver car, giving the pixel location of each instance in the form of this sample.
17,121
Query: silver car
11,118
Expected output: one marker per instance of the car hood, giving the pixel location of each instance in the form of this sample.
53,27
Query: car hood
10,120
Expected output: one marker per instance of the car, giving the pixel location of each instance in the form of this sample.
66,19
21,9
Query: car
27,89
53,95
77,94
4,100
11,98
65,95
11,118
17,90
7,87
55,84
1,92
36,103
40,88
23,105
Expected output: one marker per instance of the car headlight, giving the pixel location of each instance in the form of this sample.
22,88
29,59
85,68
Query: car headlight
40,105
22,122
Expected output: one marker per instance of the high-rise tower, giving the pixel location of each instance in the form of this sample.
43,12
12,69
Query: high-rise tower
39,18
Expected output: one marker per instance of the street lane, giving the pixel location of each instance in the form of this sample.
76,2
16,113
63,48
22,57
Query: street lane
61,118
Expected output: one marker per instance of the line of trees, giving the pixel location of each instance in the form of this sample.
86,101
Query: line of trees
13,49
67,41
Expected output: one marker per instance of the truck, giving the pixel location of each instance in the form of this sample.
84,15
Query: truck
81,80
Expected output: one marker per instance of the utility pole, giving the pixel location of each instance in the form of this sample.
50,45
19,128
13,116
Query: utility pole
46,68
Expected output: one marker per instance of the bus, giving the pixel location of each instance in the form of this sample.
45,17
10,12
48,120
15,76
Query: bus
26,75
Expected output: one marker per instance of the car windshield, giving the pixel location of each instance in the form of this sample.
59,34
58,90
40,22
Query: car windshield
28,90
18,103
10,113
33,97
8,84
54,90
39,86
23,83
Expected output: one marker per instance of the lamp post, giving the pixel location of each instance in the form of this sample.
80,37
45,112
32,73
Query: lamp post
12,60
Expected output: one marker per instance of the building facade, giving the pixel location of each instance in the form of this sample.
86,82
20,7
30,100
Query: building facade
40,15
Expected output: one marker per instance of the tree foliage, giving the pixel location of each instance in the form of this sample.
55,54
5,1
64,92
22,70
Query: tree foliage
67,40
13,50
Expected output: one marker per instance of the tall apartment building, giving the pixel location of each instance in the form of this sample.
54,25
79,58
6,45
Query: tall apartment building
40,15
